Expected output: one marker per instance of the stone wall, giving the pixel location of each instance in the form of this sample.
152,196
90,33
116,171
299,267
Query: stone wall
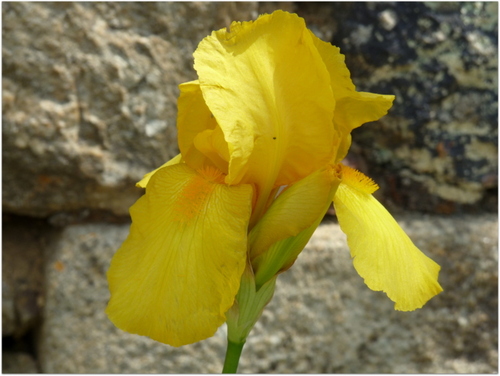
89,98
437,150
89,106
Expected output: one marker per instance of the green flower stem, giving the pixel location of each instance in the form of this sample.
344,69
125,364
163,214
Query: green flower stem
233,353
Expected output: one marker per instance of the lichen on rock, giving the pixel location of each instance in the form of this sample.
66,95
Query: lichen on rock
437,149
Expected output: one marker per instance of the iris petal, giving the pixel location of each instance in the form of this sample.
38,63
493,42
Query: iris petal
294,210
354,111
383,254
353,108
340,77
145,180
270,92
211,144
175,276
193,115
280,236
193,118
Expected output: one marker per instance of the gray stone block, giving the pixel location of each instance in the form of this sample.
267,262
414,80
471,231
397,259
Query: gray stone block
322,319
89,97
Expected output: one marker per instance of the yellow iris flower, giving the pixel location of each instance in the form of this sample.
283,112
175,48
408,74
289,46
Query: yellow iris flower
261,135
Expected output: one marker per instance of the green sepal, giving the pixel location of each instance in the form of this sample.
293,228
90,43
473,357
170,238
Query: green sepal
248,306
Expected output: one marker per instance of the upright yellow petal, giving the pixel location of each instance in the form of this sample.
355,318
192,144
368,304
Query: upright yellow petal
269,91
193,118
353,111
193,115
353,108
383,254
340,77
212,145
179,270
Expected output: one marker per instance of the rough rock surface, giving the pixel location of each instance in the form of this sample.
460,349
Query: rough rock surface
22,277
322,318
18,362
437,149
89,97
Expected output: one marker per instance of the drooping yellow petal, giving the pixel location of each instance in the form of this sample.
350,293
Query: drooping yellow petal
179,270
145,180
269,90
382,253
